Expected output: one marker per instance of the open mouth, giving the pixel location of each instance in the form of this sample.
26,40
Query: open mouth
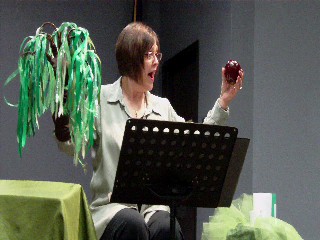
151,75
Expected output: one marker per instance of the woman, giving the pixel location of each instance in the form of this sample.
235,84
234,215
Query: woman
138,56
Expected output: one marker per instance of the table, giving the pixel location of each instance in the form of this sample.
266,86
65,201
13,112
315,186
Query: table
44,210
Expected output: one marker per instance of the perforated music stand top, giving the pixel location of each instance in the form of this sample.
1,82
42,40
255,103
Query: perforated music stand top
162,161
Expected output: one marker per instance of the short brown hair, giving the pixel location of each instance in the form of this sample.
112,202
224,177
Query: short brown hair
133,42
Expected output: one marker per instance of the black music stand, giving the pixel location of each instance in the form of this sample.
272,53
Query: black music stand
176,164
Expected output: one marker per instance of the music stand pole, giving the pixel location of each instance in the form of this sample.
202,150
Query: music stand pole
173,221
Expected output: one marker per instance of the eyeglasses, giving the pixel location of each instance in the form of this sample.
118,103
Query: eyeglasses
151,56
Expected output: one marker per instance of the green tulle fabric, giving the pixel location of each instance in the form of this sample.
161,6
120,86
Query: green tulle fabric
51,65
233,223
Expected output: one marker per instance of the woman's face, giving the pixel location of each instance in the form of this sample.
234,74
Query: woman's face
150,68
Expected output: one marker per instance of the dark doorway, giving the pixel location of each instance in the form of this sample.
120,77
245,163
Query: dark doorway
180,81
180,84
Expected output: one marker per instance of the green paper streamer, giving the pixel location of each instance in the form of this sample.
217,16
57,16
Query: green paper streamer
9,79
49,65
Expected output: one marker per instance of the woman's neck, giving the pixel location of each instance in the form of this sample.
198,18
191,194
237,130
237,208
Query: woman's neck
134,98
130,89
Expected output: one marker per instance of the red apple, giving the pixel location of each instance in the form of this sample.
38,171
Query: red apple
232,69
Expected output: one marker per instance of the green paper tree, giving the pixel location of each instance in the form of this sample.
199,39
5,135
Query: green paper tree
60,72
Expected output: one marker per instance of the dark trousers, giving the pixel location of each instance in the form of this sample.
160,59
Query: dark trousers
129,224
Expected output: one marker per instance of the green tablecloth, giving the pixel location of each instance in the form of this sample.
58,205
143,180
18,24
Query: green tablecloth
44,210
